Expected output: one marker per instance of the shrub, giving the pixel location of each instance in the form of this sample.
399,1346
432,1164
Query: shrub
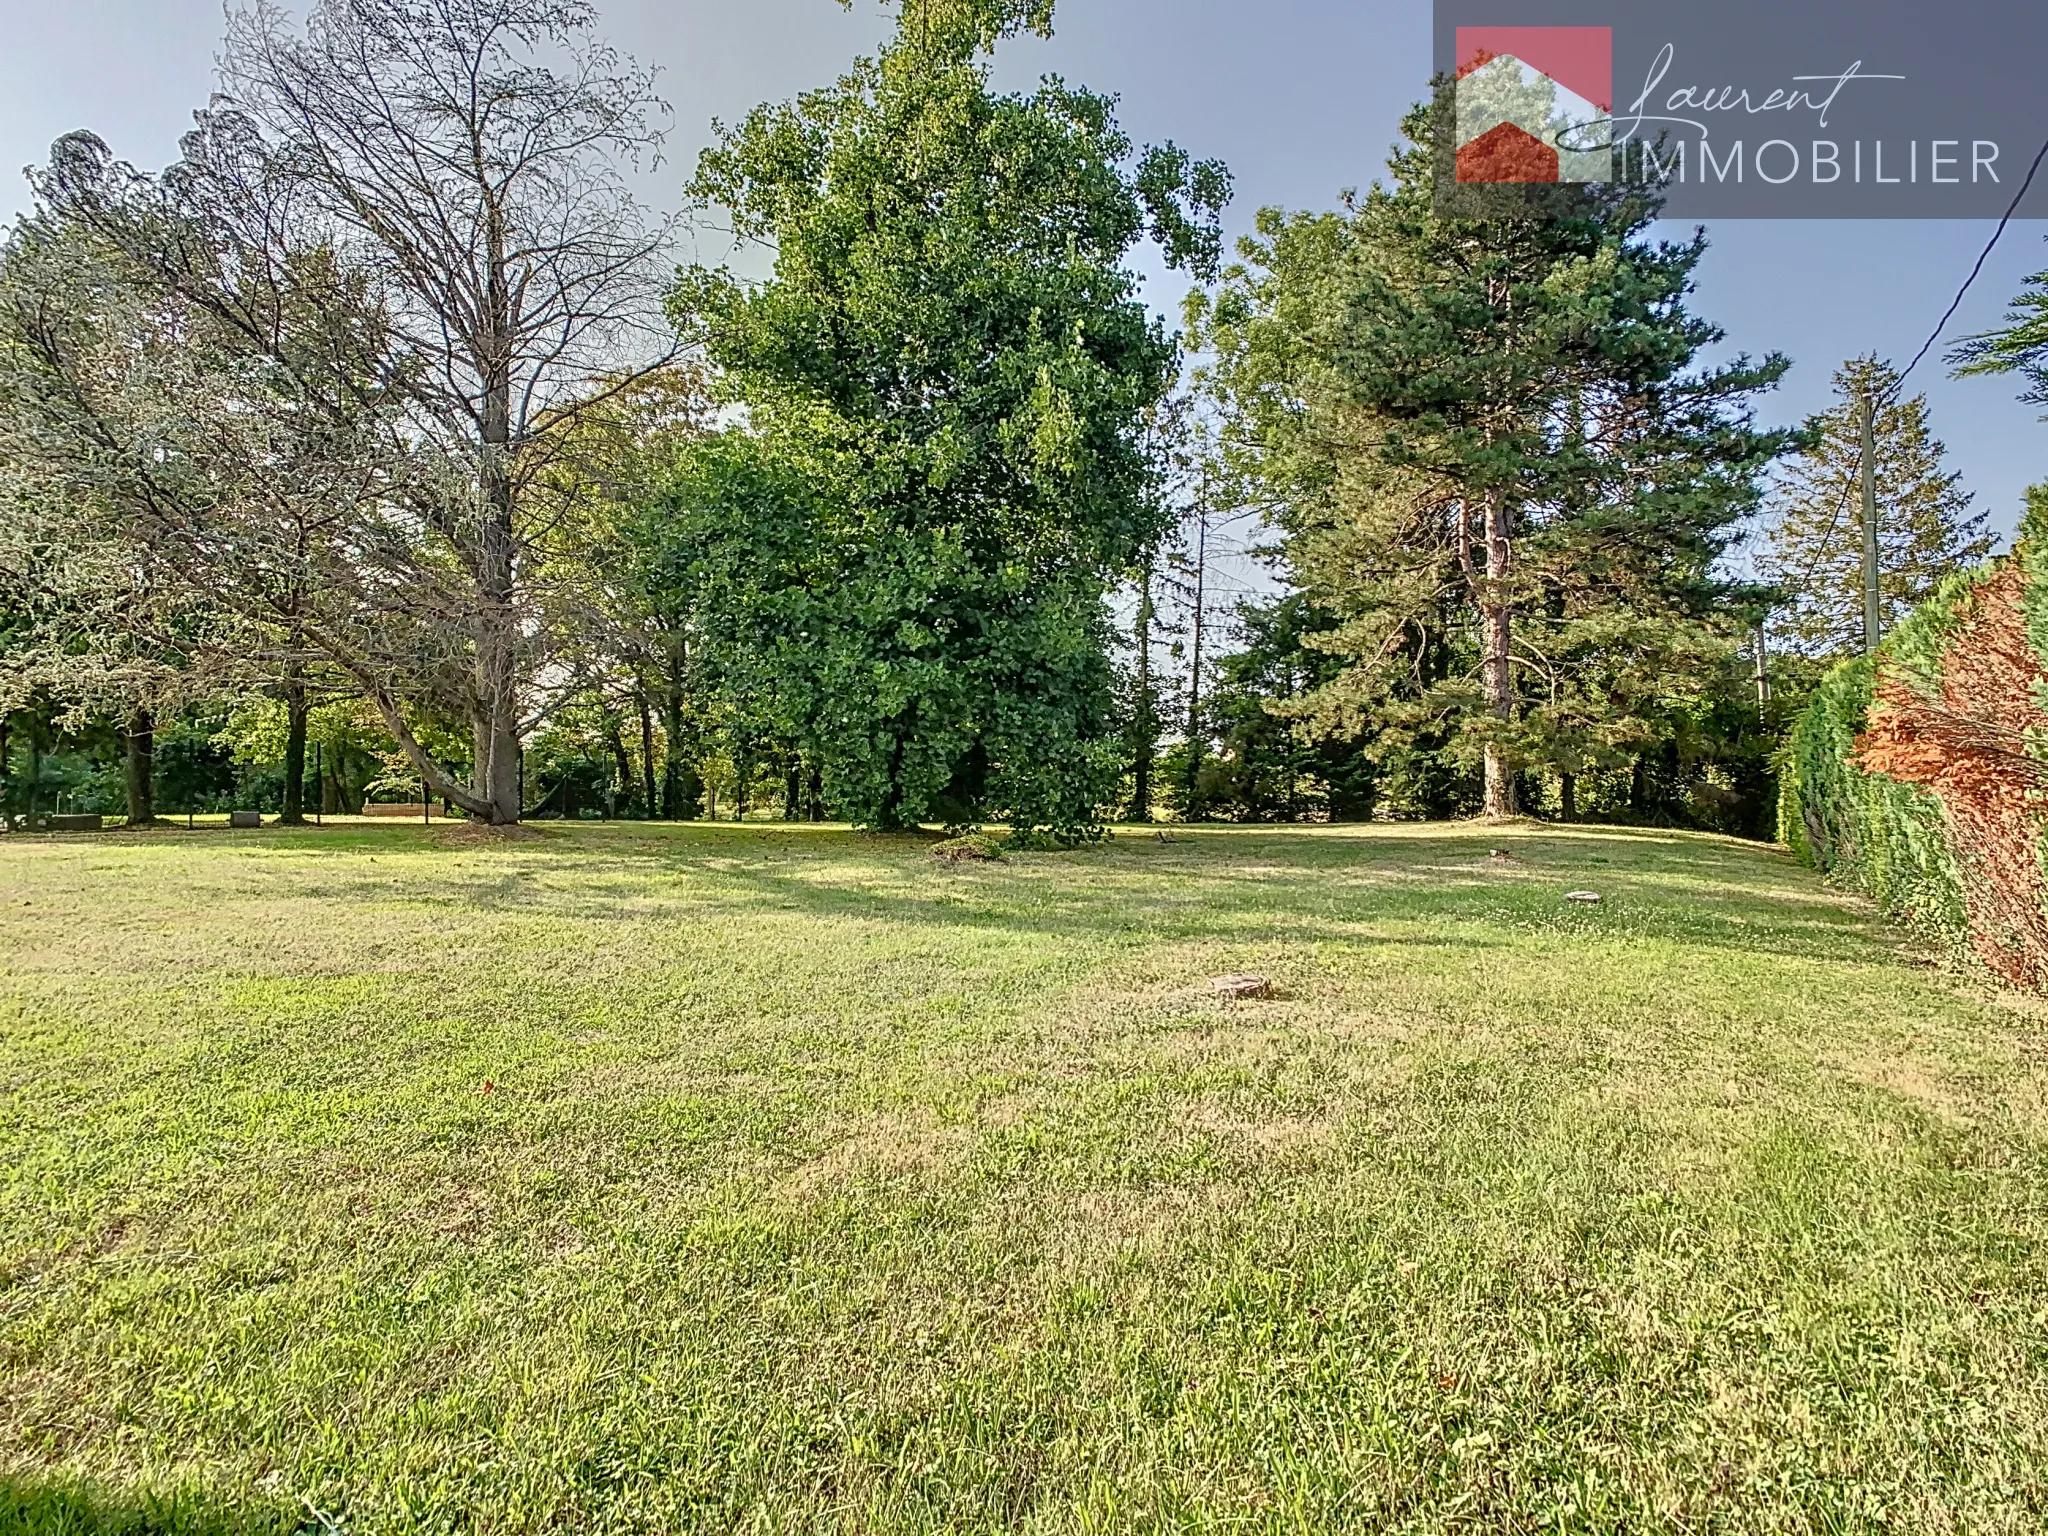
972,846
1883,837
1923,779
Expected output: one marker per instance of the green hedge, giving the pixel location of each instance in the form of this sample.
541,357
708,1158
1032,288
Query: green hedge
1885,838
1889,839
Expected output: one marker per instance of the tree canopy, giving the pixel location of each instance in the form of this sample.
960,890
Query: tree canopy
1926,530
947,382
1498,465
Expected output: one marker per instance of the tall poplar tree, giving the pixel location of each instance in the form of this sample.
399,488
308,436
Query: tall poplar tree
1926,530
947,384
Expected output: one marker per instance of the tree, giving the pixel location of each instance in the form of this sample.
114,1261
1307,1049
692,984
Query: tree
619,581
947,383
1265,770
402,248
1926,530
93,643
2019,346
1498,468
1143,716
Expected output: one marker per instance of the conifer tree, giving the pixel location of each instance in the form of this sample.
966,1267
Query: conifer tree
1500,469
1926,530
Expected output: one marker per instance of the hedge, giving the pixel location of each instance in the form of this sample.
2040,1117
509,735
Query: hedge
1887,839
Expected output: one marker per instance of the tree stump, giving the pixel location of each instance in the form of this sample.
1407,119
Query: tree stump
1241,986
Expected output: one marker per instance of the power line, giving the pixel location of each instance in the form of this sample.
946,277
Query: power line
1976,271
1927,346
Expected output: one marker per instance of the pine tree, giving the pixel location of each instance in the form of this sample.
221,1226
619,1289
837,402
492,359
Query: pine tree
1505,474
1925,527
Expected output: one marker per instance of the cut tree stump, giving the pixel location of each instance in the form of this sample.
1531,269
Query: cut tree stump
971,849
1241,986
1587,898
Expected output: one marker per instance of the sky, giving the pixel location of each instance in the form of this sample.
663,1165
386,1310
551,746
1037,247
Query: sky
1301,98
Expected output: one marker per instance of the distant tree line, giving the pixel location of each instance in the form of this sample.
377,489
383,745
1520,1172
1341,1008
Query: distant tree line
370,451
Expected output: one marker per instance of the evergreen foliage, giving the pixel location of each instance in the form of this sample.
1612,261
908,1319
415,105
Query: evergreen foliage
1926,531
1501,470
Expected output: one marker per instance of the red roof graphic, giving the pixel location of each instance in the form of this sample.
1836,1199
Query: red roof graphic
1506,153
1581,59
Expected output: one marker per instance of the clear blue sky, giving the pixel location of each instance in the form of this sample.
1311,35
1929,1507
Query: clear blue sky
1301,97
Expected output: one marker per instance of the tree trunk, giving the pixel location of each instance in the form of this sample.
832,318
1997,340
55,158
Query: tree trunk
1568,789
622,765
1497,616
496,729
35,771
793,792
817,793
892,818
141,768
647,803
1192,810
497,641
295,713
672,761
1147,744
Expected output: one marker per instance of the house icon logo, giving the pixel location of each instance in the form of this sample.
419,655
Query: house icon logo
1535,103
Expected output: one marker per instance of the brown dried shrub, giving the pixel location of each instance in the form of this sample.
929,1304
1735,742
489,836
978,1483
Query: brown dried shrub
1963,728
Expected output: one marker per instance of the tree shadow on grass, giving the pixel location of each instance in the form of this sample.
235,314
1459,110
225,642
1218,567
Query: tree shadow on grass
1343,887
57,1506
1404,895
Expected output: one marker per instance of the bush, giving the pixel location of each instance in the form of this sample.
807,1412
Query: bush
973,846
1885,838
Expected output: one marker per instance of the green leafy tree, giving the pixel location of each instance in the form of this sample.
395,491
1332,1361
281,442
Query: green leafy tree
947,384
1926,530
1499,469
618,581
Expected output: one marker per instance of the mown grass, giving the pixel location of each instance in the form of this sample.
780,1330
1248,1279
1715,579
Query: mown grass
764,1179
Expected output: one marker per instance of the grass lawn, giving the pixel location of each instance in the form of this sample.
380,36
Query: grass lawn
386,1179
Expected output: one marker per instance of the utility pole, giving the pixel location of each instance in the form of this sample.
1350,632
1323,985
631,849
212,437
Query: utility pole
1763,674
1872,617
